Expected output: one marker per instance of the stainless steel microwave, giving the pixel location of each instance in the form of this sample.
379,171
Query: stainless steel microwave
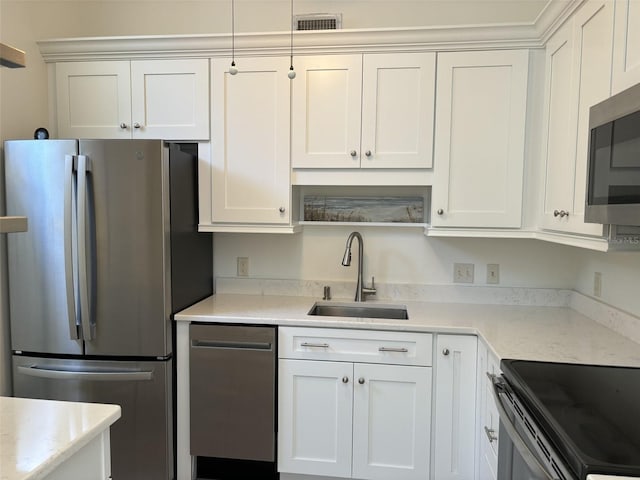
613,184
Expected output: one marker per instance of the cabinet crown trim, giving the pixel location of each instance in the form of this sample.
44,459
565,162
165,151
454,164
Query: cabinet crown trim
459,37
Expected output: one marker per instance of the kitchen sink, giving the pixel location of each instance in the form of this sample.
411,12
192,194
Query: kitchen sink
334,309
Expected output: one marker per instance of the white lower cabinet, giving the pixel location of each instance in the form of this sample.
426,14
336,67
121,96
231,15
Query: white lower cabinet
353,419
488,421
455,407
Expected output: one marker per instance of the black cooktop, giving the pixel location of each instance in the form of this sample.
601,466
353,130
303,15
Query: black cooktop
591,413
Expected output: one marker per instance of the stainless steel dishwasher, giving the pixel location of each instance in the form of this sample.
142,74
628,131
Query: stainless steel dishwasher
233,391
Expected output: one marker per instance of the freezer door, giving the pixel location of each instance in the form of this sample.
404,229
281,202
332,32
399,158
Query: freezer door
123,245
142,439
39,183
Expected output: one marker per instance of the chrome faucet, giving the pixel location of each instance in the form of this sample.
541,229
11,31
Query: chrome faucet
361,291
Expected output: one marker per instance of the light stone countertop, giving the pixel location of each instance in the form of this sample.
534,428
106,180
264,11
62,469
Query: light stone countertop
555,334
36,436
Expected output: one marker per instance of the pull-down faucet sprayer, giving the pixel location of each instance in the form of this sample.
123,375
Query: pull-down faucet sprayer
361,291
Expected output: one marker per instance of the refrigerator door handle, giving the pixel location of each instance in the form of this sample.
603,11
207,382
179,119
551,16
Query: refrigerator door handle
68,245
103,375
83,277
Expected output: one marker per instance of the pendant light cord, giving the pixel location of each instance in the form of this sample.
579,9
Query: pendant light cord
292,72
233,33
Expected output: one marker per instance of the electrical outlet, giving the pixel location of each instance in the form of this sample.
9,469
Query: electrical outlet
493,273
463,272
243,266
597,284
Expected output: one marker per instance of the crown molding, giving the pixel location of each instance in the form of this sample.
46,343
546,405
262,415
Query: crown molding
438,38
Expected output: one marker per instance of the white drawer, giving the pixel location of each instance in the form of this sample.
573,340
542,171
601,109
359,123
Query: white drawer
395,348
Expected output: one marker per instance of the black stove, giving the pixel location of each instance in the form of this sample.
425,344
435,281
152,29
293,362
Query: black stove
590,413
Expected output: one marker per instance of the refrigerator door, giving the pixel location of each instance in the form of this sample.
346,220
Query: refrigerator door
142,439
40,184
123,251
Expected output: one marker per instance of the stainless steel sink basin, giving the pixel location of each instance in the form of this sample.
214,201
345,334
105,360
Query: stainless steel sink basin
334,309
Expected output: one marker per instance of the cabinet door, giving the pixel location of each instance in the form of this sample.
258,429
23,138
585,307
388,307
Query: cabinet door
391,421
326,112
479,147
93,99
626,51
455,407
170,99
593,40
315,417
558,117
578,76
398,97
250,141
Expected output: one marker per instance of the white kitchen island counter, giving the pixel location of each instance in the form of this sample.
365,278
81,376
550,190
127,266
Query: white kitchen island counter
46,439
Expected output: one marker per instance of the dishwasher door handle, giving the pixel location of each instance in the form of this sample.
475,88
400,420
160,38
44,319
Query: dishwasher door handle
232,345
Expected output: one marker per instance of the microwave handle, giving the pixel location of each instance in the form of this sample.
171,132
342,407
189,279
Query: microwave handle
518,442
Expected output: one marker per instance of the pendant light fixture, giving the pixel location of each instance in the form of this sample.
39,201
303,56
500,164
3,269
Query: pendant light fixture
233,69
292,72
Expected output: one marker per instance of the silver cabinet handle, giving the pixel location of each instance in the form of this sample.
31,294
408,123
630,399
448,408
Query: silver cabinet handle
440,211
314,345
353,153
560,213
281,210
491,434
392,349
137,125
446,352
345,379
368,153
124,126
361,381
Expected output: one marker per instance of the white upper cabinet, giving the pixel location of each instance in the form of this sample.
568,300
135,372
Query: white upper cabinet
578,75
93,99
480,132
165,99
250,142
626,54
363,111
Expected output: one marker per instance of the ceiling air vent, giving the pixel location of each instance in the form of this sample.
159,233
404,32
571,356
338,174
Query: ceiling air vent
318,21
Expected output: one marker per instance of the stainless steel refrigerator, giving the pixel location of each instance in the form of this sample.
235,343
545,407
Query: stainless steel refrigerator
111,253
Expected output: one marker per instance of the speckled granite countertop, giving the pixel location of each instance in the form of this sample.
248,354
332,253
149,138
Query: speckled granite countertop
36,436
557,334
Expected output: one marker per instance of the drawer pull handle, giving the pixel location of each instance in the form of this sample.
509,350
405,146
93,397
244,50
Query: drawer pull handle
314,345
391,349
491,434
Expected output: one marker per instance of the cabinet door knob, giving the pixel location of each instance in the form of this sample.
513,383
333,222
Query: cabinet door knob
491,434
556,213
281,209
440,211
446,352
353,153
560,213
361,381
368,153
345,379
123,126
137,125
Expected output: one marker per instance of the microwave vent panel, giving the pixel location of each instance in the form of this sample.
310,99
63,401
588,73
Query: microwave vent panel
318,21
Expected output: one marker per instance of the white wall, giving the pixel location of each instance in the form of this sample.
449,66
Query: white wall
392,255
395,255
